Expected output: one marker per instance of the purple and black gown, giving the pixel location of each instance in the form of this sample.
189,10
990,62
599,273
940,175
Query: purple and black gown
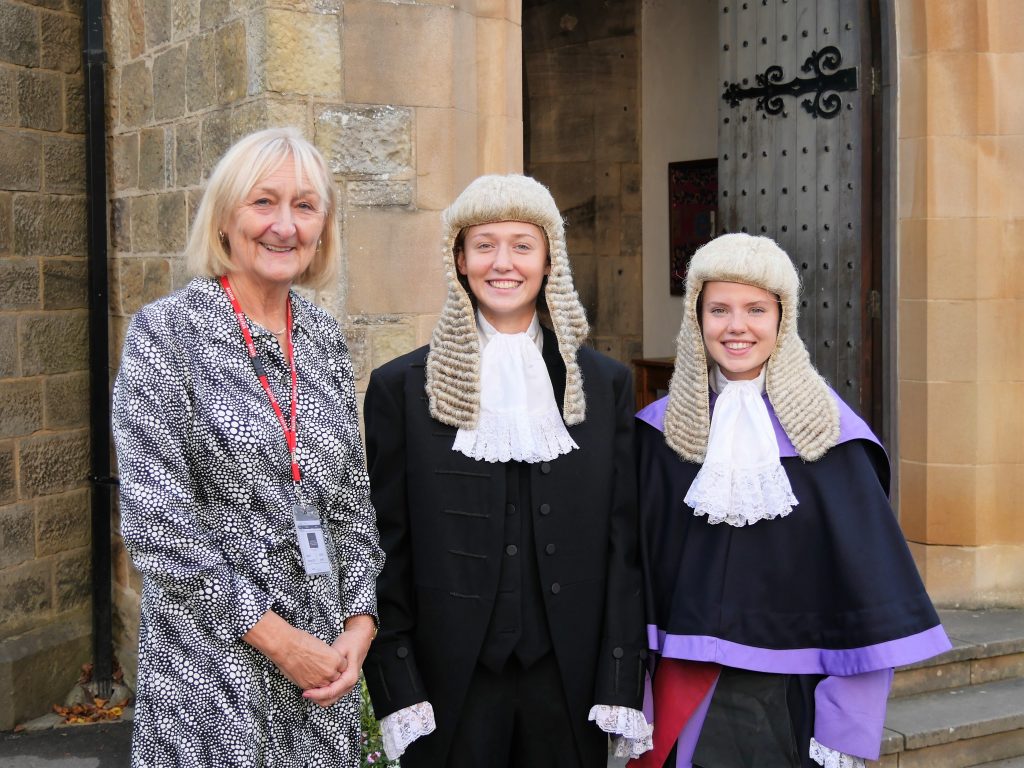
806,614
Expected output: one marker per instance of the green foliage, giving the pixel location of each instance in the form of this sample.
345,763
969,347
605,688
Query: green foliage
371,746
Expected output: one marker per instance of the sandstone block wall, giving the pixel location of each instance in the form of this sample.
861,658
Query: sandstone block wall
44,445
961,295
408,101
44,456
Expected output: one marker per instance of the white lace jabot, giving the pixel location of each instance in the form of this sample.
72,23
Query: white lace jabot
519,418
741,480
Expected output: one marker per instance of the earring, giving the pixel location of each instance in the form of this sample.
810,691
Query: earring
319,242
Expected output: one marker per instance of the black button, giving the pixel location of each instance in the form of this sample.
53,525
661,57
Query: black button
617,653
286,379
545,509
550,549
556,588
402,652
511,549
545,468
510,509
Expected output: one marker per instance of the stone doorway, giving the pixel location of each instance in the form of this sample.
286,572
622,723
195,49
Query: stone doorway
581,120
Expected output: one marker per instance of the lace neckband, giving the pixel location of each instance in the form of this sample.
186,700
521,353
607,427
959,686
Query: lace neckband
741,480
519,418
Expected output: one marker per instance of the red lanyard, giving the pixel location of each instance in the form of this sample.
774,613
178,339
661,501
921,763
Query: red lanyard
290,434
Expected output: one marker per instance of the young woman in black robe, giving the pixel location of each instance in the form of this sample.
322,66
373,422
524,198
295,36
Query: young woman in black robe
500,458
781,590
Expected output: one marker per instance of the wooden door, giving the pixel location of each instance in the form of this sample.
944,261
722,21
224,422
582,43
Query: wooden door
795,164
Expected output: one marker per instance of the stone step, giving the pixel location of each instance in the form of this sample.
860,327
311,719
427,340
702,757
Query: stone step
955,728
987,646
1013,762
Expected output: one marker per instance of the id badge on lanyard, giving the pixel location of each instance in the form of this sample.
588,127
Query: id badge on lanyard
310,536
309,533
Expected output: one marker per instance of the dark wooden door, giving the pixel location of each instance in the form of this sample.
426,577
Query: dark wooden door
795,164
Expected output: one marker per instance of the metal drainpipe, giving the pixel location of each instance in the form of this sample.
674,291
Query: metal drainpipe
93,60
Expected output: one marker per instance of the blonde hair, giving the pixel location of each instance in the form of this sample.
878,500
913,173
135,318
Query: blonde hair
249,160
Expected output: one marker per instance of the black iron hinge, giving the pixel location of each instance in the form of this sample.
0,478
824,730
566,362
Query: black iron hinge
826,82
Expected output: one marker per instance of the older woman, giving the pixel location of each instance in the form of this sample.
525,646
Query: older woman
245,502
502,471
782,591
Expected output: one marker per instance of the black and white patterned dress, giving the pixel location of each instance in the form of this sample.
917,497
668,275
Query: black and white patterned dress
206,497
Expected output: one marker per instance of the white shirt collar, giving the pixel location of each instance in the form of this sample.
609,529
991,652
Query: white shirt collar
487,331
718,380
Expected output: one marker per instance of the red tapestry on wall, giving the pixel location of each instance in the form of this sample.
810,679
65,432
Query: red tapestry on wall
692,202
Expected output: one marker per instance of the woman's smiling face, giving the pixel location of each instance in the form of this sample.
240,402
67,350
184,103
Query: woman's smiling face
273,233
505,263
740,324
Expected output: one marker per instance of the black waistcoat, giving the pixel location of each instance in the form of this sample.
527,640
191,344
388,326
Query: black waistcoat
518,624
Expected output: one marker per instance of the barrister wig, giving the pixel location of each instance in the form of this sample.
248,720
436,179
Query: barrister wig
453,364
805,406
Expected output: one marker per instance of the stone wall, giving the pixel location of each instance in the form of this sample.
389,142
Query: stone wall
408,101
583,141
44,440
433,99
961,295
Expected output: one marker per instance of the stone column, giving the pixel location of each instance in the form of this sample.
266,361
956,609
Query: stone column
961,296
432,99
408,101
44,441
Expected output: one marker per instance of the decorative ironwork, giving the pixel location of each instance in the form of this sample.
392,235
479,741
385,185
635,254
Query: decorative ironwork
827,82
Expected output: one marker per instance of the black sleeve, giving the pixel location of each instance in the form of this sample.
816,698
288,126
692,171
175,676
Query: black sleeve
391,673
620,673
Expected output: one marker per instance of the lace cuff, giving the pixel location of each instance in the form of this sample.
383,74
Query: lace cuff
741,496
400,729
630,725
829,758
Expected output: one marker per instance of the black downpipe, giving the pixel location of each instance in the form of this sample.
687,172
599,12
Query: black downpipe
93,60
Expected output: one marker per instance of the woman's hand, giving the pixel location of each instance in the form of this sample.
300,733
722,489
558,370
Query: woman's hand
353,644
307,661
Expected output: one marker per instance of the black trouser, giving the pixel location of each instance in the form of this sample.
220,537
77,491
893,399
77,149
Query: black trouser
518,718
758,720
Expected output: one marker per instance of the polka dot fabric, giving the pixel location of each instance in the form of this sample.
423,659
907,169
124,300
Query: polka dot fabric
206,497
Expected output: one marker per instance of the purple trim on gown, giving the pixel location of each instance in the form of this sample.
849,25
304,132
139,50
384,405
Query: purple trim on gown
849,712
821,661
686,744
851,426
801,661
850,702
849,715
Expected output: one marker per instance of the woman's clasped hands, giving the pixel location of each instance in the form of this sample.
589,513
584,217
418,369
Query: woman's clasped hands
325,672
